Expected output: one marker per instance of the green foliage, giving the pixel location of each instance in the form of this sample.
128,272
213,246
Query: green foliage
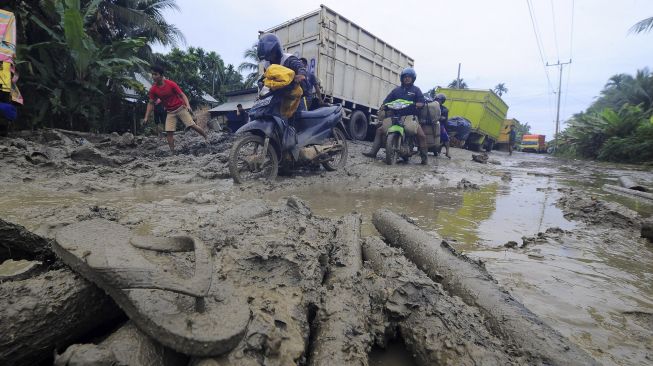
521,129
642,26
250,66
618,126
500,89
456,84
621,136
68,79
198,72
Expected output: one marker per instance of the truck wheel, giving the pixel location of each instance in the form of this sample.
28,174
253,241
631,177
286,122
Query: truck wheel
489,145
358,125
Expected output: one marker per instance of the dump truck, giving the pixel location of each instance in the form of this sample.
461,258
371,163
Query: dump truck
533,143
356,69
483,108
504,136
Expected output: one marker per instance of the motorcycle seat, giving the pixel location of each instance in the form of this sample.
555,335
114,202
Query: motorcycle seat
318,113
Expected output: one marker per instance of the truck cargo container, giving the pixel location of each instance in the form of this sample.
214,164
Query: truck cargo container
483,108
356,68
533,143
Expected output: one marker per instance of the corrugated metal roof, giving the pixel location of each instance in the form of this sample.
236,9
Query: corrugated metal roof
231,106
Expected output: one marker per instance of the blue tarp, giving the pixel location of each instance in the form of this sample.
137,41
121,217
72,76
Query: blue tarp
459,128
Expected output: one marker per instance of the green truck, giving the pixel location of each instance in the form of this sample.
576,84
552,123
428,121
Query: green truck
483,108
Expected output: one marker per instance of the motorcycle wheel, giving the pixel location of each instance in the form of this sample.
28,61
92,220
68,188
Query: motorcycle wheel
339,160
241,157
411,147
391,147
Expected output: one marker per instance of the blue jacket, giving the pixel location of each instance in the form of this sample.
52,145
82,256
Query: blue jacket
411,92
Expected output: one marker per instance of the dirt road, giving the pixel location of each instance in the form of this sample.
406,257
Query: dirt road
577,261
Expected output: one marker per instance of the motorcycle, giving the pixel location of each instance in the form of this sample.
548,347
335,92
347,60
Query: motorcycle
268,141
397,144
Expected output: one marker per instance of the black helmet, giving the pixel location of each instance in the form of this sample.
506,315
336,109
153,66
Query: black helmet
440,98
269,48
409,71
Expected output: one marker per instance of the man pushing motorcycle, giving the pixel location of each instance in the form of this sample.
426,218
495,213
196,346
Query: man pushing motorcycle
407,91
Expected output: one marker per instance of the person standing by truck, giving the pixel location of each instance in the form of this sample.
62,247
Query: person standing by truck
512,137
175,102
313,97
444,117
407,91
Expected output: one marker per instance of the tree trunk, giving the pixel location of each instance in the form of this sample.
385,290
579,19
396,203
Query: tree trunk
461,277
46,312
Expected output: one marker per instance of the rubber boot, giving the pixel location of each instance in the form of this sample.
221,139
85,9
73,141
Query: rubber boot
423,151
376,146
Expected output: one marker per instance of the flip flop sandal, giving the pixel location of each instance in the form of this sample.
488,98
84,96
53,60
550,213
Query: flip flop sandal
195,316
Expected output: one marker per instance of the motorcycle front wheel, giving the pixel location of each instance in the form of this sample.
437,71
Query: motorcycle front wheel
391,148
248,163
340,159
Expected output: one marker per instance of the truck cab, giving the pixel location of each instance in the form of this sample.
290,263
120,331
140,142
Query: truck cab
533,143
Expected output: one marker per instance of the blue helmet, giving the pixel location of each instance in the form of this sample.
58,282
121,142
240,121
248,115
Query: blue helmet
269,48
409,71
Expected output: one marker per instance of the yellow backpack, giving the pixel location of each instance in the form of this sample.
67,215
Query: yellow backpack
277,77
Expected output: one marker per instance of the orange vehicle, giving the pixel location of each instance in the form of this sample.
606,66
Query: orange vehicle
533,143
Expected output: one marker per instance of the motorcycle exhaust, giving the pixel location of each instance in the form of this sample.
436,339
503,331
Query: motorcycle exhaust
318,153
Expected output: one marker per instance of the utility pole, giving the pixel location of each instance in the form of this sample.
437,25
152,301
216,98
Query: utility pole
458,78
559,87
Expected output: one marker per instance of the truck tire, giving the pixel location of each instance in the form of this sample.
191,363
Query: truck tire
489,145
358,125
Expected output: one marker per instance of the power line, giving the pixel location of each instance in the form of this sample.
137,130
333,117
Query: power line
571,53
542,55
538,42
555,33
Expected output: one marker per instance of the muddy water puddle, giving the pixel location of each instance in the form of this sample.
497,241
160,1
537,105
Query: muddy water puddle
489,216
587,288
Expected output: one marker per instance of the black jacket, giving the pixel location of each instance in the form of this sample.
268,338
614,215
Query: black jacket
412,93
444,114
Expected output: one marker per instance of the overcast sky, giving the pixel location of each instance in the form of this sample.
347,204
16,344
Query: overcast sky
493,40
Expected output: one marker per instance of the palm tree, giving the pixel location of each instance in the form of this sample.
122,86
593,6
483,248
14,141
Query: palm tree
250,65
121,19
500,89
642,26
458,84
618,81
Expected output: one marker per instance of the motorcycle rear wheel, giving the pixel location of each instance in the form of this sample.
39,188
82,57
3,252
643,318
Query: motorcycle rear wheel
241,158
341,159
391,148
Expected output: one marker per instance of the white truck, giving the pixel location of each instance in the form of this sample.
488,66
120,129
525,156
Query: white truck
355,68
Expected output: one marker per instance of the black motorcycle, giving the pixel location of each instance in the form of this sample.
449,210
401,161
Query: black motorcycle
309,138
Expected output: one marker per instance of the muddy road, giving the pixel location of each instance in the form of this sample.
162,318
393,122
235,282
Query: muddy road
542,227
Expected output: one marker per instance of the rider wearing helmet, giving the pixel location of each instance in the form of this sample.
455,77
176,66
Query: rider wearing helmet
407,91
444,117
269,50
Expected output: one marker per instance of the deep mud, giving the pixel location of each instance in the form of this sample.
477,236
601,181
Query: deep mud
579,262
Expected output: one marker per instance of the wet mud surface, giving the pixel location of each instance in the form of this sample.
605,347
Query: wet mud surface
578,261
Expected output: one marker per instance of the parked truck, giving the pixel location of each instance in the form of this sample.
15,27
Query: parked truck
483,108
533,143
356,68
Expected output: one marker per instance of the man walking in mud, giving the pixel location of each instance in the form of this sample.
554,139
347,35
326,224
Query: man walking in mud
176,105
512,136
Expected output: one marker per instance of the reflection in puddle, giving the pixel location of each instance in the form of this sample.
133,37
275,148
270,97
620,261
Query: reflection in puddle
492,215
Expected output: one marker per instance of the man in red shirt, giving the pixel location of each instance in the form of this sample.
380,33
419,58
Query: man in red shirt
175,102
